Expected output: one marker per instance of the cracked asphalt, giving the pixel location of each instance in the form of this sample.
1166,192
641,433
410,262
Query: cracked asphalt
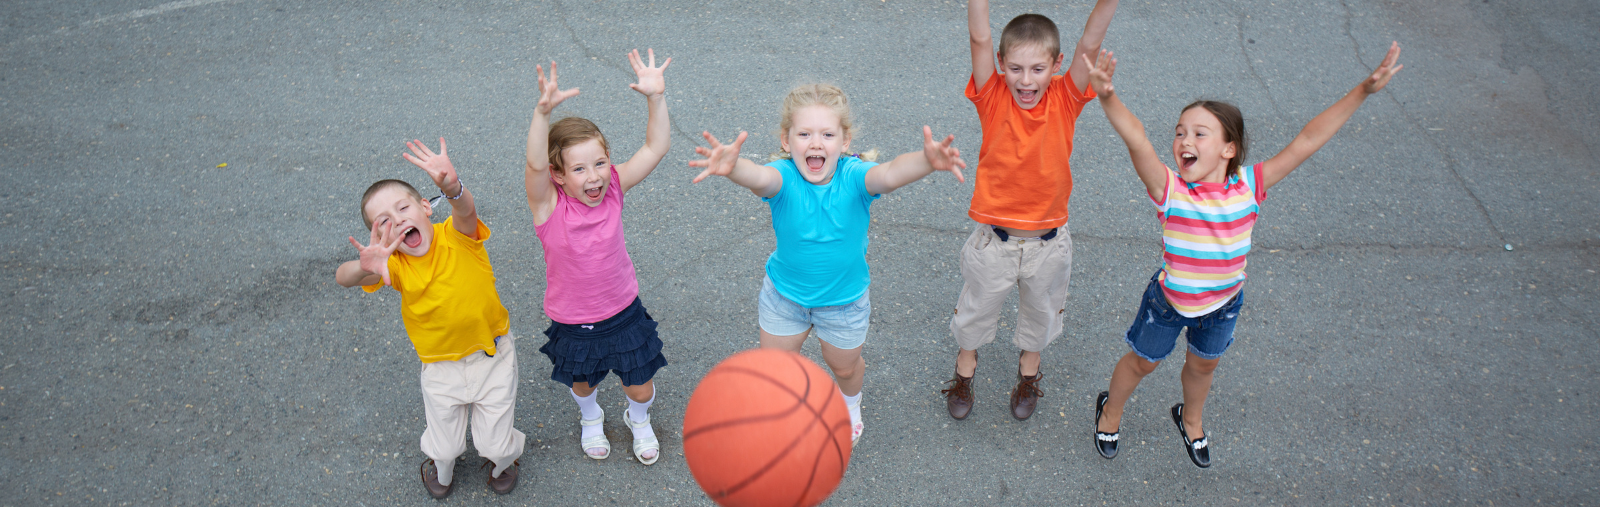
179,178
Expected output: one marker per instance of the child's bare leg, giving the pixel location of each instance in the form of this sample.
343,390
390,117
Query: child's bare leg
640,393
1028,364
582,389
1197,375
789,343
1124,378
847,365
967,363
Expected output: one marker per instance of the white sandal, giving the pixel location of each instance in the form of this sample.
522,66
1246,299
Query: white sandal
640,445
597,441
856,427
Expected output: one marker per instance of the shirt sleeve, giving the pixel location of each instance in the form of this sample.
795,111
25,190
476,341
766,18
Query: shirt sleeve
1255,183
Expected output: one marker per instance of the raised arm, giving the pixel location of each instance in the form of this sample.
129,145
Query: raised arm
1145,162
443,173
658,131
904,169
981,41
724,160
536,174
1325,125
1094,33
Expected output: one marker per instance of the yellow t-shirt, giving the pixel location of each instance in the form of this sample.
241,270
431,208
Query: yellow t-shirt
447,297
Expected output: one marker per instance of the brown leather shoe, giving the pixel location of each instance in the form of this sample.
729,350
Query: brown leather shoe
1026,396
430,480
507,480
958,398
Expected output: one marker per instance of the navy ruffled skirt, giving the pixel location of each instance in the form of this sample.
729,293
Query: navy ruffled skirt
625,343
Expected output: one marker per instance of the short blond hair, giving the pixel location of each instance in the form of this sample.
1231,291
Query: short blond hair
378,187
816,94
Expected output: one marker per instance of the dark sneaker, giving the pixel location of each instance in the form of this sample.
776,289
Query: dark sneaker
430,480
1026,396
958,398
507,480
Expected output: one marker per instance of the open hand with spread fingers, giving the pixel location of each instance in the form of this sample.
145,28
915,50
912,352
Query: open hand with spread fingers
550,94
1100,72
437,165
651,81
719,158
941,155
375,256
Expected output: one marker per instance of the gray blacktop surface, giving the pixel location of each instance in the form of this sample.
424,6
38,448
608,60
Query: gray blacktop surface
179,178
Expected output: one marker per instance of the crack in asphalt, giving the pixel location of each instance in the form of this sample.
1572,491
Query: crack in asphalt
1451,165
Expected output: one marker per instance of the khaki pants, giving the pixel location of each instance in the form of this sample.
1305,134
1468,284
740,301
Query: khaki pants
1038,269
482,386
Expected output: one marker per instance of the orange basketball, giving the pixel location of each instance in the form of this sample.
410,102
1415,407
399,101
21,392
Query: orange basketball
767,427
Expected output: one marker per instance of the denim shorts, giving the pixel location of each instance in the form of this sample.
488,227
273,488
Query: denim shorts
1154,332
843,326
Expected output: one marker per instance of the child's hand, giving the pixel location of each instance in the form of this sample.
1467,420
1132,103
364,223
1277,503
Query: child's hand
1380,77
551,95
375,256
943,156
438,166
719,158
1100,72
650,79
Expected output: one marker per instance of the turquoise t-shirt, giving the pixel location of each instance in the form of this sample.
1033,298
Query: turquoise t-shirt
821,259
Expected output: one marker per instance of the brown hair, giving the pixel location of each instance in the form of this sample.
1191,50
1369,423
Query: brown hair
569,132
1029,30
1232,129
379,186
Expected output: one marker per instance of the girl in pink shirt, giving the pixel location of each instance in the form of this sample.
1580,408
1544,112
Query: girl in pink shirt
598,325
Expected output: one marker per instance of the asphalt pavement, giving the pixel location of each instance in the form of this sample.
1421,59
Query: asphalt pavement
179,179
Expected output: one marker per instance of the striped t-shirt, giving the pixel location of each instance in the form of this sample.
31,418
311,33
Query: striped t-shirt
1205,228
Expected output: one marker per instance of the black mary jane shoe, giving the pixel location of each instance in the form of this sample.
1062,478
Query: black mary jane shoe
1199,450
1104,442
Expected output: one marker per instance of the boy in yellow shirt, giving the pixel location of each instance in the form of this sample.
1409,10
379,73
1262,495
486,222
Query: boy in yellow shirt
452,314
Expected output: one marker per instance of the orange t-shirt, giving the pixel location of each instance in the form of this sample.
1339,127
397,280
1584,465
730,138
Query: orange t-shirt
1024,180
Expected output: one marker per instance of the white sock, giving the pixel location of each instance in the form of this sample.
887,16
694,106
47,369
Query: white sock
447,471
853,404
498,467
638,412
590,409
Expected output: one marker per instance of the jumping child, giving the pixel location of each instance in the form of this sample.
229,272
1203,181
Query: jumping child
1207,208
452,314
1020,195
817,277
598,324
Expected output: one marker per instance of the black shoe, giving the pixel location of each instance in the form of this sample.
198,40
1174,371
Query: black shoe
1199,450
1104,442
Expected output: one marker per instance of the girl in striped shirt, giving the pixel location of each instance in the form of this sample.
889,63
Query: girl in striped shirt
1207,209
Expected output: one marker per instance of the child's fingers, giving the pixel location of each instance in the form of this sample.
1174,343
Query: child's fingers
702,175
664,64
652,52
356,243
442,148
710,139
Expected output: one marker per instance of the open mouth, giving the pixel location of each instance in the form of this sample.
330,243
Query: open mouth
593,193
412,237
1186,160
814,162
1027,95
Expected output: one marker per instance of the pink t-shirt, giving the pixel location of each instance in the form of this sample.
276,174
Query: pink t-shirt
588,274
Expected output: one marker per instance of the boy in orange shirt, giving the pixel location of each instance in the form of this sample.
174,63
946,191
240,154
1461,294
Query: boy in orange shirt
452,314
1020,197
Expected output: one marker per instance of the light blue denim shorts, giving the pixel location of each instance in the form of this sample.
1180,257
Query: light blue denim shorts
843,326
